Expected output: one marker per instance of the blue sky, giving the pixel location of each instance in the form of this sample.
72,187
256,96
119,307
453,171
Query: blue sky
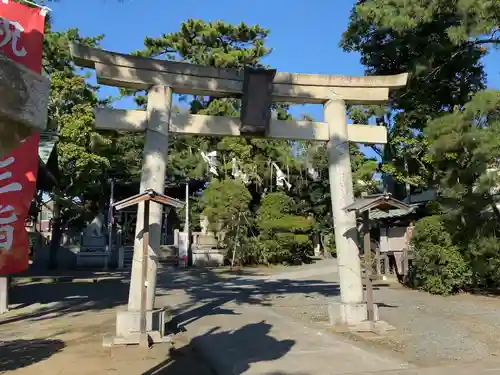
304,35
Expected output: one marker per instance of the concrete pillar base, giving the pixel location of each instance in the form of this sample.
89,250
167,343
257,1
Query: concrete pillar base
379,327
128,324
354,317
349,314
135,338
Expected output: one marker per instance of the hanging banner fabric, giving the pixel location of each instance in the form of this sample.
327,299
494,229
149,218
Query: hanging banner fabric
21,34
21,39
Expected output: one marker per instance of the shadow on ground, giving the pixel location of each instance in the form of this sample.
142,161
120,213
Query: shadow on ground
58,299
207,293
16,354
256,270
206,290
259,345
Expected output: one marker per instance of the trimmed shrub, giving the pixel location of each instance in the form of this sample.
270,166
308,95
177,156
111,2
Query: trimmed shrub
284,237
438,266
484,253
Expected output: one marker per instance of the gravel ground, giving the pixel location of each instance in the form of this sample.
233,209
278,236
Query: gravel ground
437,329
430,330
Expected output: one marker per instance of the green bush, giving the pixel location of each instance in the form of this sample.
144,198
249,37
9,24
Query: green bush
274,206
223,201
284,236
255,252
484,253
226,205
438,266
286,223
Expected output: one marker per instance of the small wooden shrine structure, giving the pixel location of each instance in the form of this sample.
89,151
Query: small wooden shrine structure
362,208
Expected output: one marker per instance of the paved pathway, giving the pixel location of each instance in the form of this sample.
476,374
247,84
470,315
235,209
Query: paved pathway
237,333
287,314
255,340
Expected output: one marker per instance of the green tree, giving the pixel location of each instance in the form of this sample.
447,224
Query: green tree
471,21
442,125
465,147
80,147
420,38
224,201
226,205
86,158
284,235
216,44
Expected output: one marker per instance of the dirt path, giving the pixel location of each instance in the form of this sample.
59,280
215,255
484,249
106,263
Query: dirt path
58,328
63,335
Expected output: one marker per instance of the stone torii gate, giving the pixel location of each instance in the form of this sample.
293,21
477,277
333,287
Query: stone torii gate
24,97
162,78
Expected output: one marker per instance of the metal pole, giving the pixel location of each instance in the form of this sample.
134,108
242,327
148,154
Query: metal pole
236,241
368,265
271,179
144,290
186,222
110,216
407,184
166,211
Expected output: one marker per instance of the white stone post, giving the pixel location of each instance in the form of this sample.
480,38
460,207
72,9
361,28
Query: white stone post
352,309
4,294
152,177
186,222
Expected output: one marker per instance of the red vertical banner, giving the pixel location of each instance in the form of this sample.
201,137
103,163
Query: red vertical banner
21,39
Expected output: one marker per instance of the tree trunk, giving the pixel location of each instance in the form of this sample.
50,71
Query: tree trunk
496,211
57,232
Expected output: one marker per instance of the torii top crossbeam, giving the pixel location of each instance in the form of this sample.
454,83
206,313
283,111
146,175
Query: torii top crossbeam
135,72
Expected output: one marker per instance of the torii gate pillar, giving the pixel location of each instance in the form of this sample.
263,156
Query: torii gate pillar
352,309
153,175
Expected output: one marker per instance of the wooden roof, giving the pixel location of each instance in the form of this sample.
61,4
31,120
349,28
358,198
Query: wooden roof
382,202
148,195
